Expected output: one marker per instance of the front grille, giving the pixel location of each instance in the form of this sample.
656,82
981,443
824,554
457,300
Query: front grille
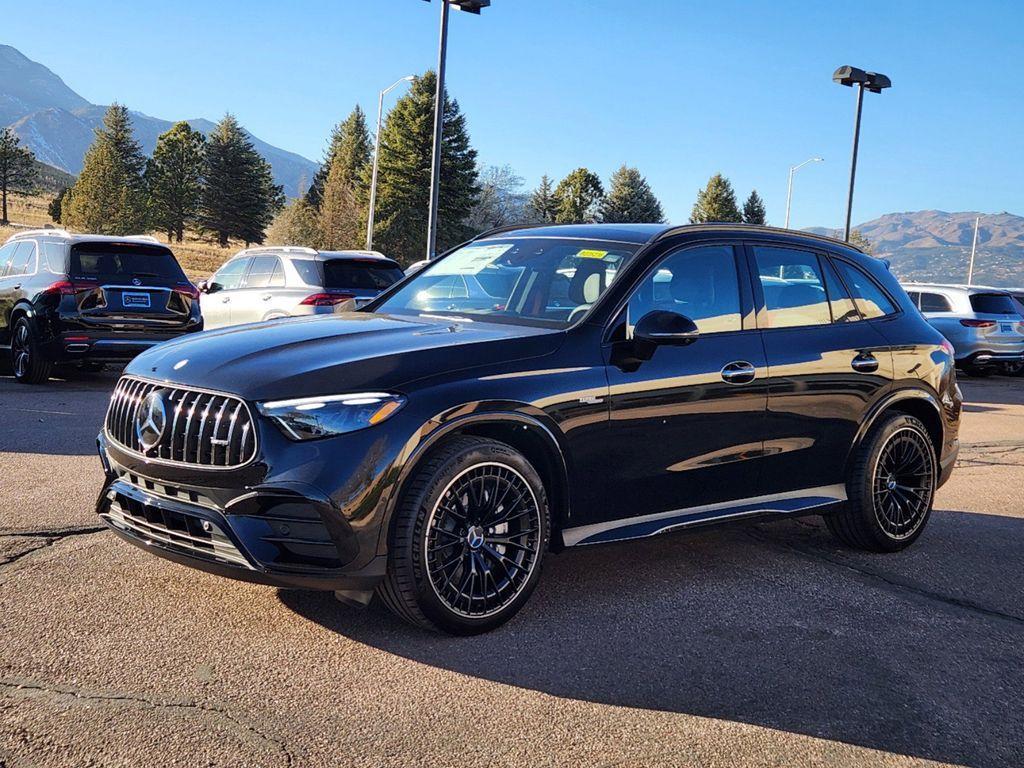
172,528
201,428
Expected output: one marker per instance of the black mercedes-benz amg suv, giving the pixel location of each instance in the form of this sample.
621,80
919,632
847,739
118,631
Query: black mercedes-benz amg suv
620,381
88,300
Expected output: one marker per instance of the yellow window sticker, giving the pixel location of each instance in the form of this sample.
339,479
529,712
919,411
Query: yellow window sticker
591,254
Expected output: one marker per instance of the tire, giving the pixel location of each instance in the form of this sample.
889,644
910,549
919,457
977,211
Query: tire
979,371
891,487
455,564
26,359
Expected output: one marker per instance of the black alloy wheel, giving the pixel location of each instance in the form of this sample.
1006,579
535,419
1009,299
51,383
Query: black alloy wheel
903,481
26,361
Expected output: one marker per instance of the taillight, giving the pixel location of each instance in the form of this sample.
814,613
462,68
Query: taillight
191,291
978,323
69,288
948,348
326,299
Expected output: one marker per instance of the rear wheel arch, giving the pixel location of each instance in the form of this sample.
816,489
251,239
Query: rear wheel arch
914,402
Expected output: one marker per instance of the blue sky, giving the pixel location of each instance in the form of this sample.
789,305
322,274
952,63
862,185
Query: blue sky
681,90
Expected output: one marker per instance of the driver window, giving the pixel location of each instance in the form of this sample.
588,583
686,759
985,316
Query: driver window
700,283
229,276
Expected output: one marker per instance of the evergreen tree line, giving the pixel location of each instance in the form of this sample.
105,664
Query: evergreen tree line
218,184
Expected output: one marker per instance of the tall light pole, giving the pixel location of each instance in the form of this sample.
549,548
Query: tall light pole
472,6
789,192
376,157
874,82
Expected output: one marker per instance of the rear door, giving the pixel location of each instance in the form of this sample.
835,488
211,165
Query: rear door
130,286
10,284
254,300
827,366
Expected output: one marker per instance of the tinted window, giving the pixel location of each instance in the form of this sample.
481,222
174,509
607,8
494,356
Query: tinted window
993,304
229,276
261,273
871,299
5,257
23,260
117,263
700,283
843,309
794,291
345,273
935,302
546,281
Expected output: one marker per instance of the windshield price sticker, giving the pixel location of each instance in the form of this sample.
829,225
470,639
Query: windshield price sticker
471,260
591,254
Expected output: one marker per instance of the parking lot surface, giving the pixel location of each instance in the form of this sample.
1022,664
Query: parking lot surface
762,644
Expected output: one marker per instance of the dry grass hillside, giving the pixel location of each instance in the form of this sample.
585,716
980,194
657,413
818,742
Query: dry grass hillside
198,257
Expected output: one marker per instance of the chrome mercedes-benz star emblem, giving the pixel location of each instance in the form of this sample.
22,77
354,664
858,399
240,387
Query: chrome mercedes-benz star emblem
136,281
151,420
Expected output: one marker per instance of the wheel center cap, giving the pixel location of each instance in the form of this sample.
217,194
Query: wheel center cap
891,484
475,537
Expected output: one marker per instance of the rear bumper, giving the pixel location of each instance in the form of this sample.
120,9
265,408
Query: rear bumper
105,346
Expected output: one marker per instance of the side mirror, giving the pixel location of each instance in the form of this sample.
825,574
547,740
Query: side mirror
201,286
664,327
208,286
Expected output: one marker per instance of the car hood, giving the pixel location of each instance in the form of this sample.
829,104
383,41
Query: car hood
348,352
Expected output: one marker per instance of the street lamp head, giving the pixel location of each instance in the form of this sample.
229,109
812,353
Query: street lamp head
470,6
851,76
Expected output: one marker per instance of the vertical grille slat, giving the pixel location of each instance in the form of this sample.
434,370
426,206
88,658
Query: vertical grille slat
195,419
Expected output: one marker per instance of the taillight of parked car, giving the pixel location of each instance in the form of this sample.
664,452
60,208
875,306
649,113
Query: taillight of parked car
326,299
188,290
978,323
948,348
70,288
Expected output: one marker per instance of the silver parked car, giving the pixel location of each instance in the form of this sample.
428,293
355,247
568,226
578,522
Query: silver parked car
984,325
282,281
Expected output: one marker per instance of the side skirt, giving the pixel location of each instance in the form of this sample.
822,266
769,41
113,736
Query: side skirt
794,502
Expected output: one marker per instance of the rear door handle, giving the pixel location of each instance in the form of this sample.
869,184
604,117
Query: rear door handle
739,372
17,286
865,362
268,296
225,300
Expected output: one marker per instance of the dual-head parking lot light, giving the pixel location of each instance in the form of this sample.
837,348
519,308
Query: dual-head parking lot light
874,82
470,6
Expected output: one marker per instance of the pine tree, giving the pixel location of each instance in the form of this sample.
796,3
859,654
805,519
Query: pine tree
858,240
716,202
18,171
56,204
174,179
630,199
753,209
578,197
350,146
543,207
109,196
403,182
239,198
340,218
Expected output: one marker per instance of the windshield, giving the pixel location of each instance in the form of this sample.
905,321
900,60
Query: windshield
114,262
534,281
371,275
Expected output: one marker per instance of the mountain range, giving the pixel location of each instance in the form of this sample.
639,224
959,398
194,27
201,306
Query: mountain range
935,246
58,125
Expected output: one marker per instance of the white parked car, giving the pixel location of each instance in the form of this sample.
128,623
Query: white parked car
282,281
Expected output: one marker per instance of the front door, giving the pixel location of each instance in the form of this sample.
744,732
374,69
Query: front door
216,304
687,425
828,364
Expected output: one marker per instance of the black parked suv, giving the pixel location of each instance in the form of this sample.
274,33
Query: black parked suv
630,380
88,299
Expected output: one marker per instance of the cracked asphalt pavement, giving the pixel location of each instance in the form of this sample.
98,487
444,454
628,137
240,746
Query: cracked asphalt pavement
762,645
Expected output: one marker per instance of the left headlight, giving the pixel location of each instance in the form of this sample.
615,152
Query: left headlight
309,418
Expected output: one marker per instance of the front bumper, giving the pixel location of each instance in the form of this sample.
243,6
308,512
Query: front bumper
274,536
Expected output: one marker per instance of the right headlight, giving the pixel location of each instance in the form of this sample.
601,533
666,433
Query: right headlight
310,418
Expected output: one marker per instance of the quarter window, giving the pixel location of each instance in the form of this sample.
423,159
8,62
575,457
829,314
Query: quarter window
793,287
700,283
871,299
843,308
935,302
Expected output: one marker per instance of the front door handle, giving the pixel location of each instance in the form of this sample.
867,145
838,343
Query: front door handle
268,296
865,362
225,300
739,372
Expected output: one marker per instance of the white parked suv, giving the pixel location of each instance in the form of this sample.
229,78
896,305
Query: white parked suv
281,281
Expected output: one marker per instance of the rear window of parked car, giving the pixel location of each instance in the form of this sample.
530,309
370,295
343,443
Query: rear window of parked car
370,275
106,262
993,304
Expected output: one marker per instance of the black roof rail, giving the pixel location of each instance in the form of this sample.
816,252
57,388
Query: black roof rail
712,226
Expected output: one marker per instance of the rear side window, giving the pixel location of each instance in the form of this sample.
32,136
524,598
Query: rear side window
110,262
344,273
23,261
265,272
793,287
56,257
871,299
5,257
308,272
993,304
935,302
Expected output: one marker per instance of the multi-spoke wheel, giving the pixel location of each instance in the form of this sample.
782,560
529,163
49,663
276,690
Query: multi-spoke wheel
468,539
26,361
890,488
